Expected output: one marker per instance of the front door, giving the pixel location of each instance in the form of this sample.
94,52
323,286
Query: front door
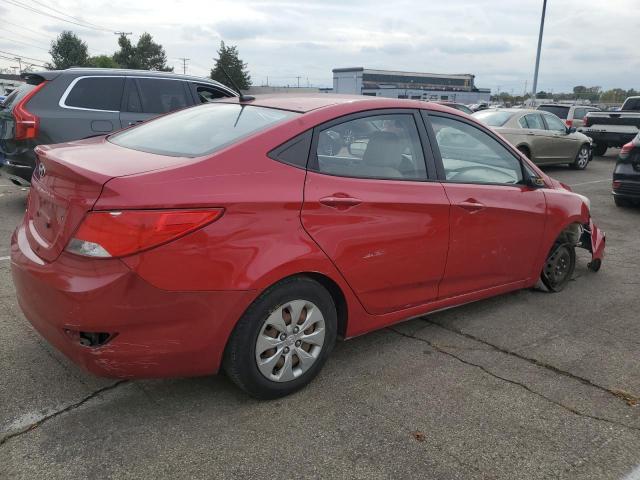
369,205
497,221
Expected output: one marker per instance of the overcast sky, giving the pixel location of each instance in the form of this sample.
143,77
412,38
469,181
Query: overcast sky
590,42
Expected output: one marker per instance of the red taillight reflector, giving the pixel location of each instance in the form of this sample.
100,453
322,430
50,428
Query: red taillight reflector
585,121
569,123
616,184
26,123
626,149
125,232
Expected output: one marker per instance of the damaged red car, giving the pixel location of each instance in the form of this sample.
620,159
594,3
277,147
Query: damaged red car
248,235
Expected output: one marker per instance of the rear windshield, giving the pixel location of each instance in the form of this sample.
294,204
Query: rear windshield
631,103
199,130
17,95
557,110
493,118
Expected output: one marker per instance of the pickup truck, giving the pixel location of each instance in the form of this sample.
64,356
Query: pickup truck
613,129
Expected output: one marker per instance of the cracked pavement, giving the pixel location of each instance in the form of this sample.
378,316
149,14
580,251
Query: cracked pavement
525,385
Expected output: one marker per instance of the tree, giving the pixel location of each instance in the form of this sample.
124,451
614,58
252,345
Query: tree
236,68
146,54
126,56
68,51
102,61
579,89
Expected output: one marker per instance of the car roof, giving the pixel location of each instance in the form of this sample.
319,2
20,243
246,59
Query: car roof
306,102
81,71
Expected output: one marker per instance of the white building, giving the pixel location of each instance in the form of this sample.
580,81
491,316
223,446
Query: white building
419,86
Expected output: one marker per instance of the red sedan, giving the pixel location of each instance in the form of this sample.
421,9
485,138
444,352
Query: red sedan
249,235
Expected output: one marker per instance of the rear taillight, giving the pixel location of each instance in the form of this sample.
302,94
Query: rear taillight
27,123
586,121
626,150
616,184
125,232
569,123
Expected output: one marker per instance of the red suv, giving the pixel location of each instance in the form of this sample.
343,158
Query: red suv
249,235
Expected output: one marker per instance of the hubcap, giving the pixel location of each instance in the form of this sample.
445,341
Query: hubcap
290,341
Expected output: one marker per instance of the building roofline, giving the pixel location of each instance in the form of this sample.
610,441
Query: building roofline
403,73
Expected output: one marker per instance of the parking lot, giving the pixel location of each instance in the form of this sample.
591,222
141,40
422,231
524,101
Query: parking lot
525,385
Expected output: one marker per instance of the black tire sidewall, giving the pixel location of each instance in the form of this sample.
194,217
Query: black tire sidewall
239,360
600,150
572,255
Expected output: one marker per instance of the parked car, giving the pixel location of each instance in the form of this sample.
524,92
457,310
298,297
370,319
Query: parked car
571,115
63,105
540,136
458,106
626,175
220,237
476,107
613,129
2,97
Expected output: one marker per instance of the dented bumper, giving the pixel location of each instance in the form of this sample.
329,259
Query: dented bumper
593,239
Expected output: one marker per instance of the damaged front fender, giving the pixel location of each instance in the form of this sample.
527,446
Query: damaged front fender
593,239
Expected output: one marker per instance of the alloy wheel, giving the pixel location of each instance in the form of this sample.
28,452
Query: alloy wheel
582,160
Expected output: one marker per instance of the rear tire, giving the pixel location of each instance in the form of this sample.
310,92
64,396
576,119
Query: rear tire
525,151
600,149
622,202
582,158
294,323
559,267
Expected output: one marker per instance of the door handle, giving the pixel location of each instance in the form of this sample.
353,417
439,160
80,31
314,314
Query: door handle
340,202
471,205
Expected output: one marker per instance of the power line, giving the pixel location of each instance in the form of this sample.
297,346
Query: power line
66,14
16,3
21,27
22,56
20,34
24,43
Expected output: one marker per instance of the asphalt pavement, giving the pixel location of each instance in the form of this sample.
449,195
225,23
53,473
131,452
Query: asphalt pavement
527,385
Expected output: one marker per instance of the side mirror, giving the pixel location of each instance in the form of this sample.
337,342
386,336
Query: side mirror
571,130
535,182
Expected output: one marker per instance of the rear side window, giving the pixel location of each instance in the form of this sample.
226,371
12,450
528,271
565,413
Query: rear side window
579,113
200,130
632,103
558,110
534,121
162,96
96,93
207,93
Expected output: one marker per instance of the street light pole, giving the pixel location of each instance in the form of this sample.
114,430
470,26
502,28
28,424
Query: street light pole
535,75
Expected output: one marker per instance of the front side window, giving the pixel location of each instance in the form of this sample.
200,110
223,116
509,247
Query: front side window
162,96
555,124
207,93
534,121
470,155
380,146
200,130
96,93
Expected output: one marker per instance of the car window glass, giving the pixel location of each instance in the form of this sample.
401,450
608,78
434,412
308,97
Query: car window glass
579,113
162,96
470,155
535,122
132,99
559,110
522,121
201,130
555,124
380,146
207,93
493,118
96,93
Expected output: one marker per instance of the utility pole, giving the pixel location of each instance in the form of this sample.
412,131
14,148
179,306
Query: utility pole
184,64
535,74
123,33
298,77
20,64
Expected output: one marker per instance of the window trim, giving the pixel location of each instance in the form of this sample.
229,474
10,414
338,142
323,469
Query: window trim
426,114
63,98
423,138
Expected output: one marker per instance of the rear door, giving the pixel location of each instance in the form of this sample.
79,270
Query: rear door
496,220
540,139
148,97
372,207
565,146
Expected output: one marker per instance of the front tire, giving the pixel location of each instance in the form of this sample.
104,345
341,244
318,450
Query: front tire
283,339
582,158
559,267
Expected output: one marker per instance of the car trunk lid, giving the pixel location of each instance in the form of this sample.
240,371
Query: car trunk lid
67,182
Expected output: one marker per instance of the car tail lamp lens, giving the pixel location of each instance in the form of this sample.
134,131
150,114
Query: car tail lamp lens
626,149
616,184
122,233
585,121
26,123
569,123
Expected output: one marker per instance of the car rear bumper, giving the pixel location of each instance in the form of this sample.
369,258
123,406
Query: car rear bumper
614,139
153,332
18,170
